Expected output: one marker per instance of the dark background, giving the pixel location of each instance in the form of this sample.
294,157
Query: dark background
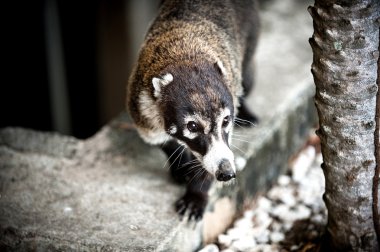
98,42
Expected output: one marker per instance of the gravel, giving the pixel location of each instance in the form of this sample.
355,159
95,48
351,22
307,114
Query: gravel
291,216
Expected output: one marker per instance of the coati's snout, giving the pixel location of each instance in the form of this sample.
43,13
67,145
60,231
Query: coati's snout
208,140
225,171
219,159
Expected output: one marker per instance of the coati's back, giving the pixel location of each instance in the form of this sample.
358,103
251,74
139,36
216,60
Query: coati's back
190,32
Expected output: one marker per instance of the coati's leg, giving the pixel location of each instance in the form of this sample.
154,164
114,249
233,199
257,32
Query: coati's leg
185,168
178,156
196,196
248,80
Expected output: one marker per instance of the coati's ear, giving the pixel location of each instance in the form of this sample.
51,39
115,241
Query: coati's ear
219,66
159,82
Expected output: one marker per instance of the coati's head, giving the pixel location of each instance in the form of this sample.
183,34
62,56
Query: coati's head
198,110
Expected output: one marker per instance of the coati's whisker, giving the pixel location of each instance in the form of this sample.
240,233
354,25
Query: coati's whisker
207,175
189,163
192,168
180,154
244,121
180,158
172,155
231,182
241,140
234,146
196,175
240,135
239,125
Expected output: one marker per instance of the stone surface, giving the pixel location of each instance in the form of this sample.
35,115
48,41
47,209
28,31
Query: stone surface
112,192
58,193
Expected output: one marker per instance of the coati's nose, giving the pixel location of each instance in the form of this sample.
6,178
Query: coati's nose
225,171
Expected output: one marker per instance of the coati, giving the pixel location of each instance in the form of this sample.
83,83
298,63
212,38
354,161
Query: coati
193,70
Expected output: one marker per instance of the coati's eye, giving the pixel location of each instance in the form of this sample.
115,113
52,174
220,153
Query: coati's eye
226,121
192,126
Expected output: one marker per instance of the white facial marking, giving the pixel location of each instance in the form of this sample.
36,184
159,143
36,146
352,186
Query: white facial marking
217,152
186,132
172,130
158,83
218,149
207,129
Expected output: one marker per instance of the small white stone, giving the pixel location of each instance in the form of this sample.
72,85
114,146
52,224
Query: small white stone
225,240
294,247
283,180
133,227
288,198
240,163
228,250
284,194
313,235
263,237
265,248
318,219
303,212
243,223
210,248
244,244
248,214
274,193
276,226
67,209
276,237
235,233
280,211
302,164
319,158
262,220
264,203
287,226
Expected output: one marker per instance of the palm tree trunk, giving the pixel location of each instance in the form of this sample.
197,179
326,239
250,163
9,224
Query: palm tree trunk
345,44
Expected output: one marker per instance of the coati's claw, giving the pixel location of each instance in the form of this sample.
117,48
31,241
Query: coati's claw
193,204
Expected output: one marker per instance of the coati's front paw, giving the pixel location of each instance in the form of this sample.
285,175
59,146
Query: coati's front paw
193,204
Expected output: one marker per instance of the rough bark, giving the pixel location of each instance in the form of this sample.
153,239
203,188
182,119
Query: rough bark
376,179
345,45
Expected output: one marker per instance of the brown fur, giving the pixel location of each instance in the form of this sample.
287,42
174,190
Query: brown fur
192,33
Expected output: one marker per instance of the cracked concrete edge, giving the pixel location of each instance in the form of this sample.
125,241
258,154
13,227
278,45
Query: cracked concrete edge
36,154
49,143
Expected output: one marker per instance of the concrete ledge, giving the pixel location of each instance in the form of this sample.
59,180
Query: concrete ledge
111,192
